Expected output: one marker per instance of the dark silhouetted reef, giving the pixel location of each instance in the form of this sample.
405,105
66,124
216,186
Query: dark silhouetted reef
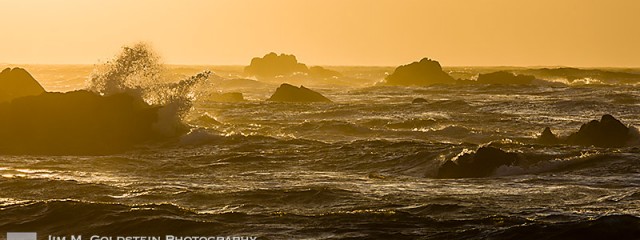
481,163
79,122
320,72
422,73
17,82
226,97
273,65
607,132
503,77
290,93
547,137
573,74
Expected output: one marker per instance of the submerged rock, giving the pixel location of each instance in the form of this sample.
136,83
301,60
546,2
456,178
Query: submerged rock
17,82
78,122
503,77
608,132
424,72
419,100
289,93
482,163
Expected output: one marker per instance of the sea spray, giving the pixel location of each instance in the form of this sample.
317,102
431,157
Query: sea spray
137,71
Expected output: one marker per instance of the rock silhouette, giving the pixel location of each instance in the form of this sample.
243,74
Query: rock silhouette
547,137
226,97
502,77
424,72
289,93
79,122
17,82
482,163
608,132
272,65
320,72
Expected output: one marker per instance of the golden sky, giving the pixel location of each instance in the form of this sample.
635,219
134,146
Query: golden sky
327,32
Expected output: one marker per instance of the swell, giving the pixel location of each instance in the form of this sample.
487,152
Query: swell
64,217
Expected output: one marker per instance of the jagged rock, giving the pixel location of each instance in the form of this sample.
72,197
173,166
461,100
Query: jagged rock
547,137
503,77
482,163
226,97
272,65
608,132
419,100
424,72
17,82
289,93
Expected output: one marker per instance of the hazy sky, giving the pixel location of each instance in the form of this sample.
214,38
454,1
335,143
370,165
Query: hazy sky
327,32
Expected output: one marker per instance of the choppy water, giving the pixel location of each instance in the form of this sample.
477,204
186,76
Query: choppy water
361,167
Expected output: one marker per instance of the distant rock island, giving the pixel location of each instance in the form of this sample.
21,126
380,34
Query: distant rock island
272,65
503,77
17,82
284,65
290,93
422,73
226,97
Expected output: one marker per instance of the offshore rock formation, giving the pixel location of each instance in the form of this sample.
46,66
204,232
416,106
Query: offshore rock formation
320,72
226,97
482,163
289,93
272,65
547,137
17,82
503,77
422,73
79,122
608,132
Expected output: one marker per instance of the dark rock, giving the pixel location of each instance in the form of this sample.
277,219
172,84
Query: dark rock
226,97
503,77
425,72
482,163
289,93
273,65
17,82
547,137
78,122
419,100
320,72
608,132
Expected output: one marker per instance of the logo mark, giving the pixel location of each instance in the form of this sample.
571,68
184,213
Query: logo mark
22,236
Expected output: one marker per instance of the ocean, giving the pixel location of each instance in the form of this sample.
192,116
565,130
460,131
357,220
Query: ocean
361,167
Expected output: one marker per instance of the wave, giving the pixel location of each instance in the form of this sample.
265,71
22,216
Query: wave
168,219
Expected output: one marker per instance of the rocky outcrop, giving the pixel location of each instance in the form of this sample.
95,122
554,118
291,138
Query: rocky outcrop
503,77
607,132
78,122
226,97
547,137
273,65
320,72
482,163
17,82
422,73
289,93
